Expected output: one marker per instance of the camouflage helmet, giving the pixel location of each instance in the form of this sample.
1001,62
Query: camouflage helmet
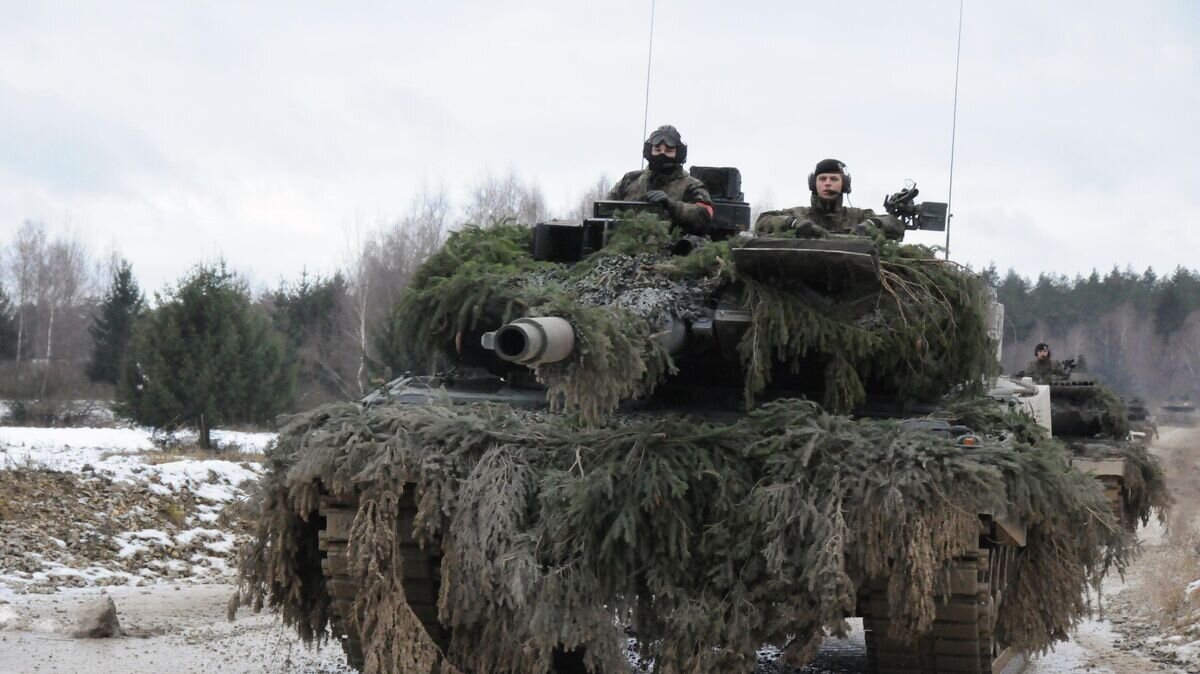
669,136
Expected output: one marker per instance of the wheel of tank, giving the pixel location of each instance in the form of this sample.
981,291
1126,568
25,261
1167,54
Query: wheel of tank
422,579
422,572
963,636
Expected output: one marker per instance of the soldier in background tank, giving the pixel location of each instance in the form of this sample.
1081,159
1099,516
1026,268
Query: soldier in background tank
664,183
827,214
1042,368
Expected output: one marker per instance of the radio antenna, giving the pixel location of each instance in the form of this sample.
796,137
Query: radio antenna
649,61
953,130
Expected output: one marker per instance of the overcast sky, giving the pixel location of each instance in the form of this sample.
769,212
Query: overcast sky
179,131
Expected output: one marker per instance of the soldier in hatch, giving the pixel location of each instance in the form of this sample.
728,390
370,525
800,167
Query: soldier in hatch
1041,368
826,214
664,182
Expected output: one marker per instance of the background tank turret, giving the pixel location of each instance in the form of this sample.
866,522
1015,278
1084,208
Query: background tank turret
1143,428
1179,410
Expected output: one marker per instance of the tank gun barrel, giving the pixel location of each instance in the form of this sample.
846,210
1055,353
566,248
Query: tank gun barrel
532,341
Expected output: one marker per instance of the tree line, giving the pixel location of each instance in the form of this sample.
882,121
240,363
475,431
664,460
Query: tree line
1137,331
206,350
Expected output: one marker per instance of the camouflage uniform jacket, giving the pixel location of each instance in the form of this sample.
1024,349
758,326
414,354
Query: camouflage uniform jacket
694,210
833,217
1044,371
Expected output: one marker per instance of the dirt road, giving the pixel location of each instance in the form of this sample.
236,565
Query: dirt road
187,632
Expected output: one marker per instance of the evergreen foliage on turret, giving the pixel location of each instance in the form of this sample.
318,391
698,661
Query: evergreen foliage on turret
205,356
914,324
112,328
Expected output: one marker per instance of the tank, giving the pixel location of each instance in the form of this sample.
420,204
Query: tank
1143,428
1098,428
634,449
1178,410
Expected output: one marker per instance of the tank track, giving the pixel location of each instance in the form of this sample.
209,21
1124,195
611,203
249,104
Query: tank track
963,636
422,573
1114,492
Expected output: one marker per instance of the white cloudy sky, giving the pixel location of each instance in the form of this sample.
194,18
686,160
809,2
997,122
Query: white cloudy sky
178,131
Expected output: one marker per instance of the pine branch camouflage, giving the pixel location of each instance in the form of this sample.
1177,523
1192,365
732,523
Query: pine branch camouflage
561,526
710,539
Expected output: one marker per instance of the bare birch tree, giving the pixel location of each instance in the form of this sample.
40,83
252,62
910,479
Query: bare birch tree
381,262
22,268
597,192
506,198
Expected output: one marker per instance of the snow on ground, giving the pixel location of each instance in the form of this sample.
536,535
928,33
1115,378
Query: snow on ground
19,444
105,506
119,454
172,628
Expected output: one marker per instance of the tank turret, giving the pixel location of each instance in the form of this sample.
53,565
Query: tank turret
1179,410
1082,408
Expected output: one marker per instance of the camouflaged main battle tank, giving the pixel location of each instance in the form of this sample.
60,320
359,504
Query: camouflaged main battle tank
1095,424
642,450
1143,429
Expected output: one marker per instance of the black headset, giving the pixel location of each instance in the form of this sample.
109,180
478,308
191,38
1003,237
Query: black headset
812,181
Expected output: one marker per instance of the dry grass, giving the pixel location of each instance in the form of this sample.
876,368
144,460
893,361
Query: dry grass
1169,567
174,513
157,457
1166,572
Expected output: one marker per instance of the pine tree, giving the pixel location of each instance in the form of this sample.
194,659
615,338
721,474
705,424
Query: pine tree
8,328
113,326
1170,311
314,317
205,356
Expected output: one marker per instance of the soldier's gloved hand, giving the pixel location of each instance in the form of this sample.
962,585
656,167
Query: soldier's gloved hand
807,229
864,228
659,197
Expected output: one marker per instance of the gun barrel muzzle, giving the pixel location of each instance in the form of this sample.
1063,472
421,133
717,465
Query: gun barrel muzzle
532,341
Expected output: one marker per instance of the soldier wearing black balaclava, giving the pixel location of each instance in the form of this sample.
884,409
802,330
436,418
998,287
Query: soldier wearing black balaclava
665,183
826,213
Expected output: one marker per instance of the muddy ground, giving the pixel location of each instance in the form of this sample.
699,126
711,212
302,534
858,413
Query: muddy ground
184,629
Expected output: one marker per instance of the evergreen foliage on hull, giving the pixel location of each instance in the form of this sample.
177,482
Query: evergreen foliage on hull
709,539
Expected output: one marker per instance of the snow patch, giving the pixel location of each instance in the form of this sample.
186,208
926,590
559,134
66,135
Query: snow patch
1189,653
120,454
10,619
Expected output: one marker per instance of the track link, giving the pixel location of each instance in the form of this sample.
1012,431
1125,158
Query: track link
1114,492
422,572
962,640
